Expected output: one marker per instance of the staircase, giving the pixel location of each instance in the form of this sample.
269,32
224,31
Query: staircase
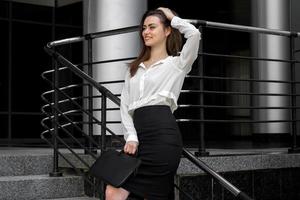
24,174
264,176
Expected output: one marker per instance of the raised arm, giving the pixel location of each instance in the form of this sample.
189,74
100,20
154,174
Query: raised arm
189,52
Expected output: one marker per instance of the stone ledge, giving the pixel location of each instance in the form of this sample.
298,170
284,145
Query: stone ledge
231,163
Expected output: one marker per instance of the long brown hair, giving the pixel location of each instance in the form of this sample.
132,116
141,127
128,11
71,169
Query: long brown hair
174,40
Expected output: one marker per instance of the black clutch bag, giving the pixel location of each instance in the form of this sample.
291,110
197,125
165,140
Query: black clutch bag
114,167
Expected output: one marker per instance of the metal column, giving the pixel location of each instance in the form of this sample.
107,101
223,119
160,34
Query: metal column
271,14
107,15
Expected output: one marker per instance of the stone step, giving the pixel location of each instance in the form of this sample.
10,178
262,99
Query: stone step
40,187
75,161
18,165
76,198
219,163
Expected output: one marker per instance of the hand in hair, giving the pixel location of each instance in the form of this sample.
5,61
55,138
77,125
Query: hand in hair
169,14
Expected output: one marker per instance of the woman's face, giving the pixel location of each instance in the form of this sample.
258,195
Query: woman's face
154,33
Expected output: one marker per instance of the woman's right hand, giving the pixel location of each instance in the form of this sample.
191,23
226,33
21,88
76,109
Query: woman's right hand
131,147
168,12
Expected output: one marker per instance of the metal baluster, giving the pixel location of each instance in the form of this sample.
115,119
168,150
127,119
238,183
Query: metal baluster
201,147
294,148
103,135
90,95
55,172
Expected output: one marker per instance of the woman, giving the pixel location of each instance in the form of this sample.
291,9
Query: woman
149,97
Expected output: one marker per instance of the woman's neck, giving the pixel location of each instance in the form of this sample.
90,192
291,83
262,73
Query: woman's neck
158,54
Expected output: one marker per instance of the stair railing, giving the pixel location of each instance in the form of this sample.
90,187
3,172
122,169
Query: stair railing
105,93
292,94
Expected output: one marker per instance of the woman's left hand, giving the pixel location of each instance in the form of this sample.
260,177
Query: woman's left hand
130,147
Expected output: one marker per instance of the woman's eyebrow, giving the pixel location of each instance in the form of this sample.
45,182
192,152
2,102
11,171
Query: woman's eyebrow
149,24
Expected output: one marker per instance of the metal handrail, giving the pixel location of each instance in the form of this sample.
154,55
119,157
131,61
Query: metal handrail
234,121
194,21
247,57
237,93
251,29
87,112
235,107
82,74
234,190
92,36
239,79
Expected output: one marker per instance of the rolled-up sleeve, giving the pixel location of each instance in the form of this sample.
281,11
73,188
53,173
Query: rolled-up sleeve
126,118
189,52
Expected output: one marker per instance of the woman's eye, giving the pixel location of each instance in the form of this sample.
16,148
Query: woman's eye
149,27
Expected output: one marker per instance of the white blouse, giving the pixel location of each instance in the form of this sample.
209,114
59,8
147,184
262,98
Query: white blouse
160,83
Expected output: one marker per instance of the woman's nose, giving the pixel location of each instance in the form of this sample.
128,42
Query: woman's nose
146,30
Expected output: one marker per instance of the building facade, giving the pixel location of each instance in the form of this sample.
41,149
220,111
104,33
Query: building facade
29,25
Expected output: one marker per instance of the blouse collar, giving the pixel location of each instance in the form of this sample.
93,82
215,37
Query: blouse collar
154,64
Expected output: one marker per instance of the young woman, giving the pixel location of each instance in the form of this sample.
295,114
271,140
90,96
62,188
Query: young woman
148,100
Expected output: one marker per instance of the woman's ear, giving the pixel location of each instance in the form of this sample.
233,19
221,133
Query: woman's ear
168,31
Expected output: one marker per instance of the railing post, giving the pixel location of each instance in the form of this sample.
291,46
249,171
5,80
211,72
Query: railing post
201,147
103,134
103,121
90,94
55,172
294,148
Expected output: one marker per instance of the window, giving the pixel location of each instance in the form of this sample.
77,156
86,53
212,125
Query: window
4,9
29,61
4,49
36,13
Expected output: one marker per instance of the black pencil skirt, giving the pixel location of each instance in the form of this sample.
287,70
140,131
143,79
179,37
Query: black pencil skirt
160,147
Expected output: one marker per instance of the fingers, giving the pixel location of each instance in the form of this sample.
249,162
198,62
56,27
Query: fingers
130,147
169,14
